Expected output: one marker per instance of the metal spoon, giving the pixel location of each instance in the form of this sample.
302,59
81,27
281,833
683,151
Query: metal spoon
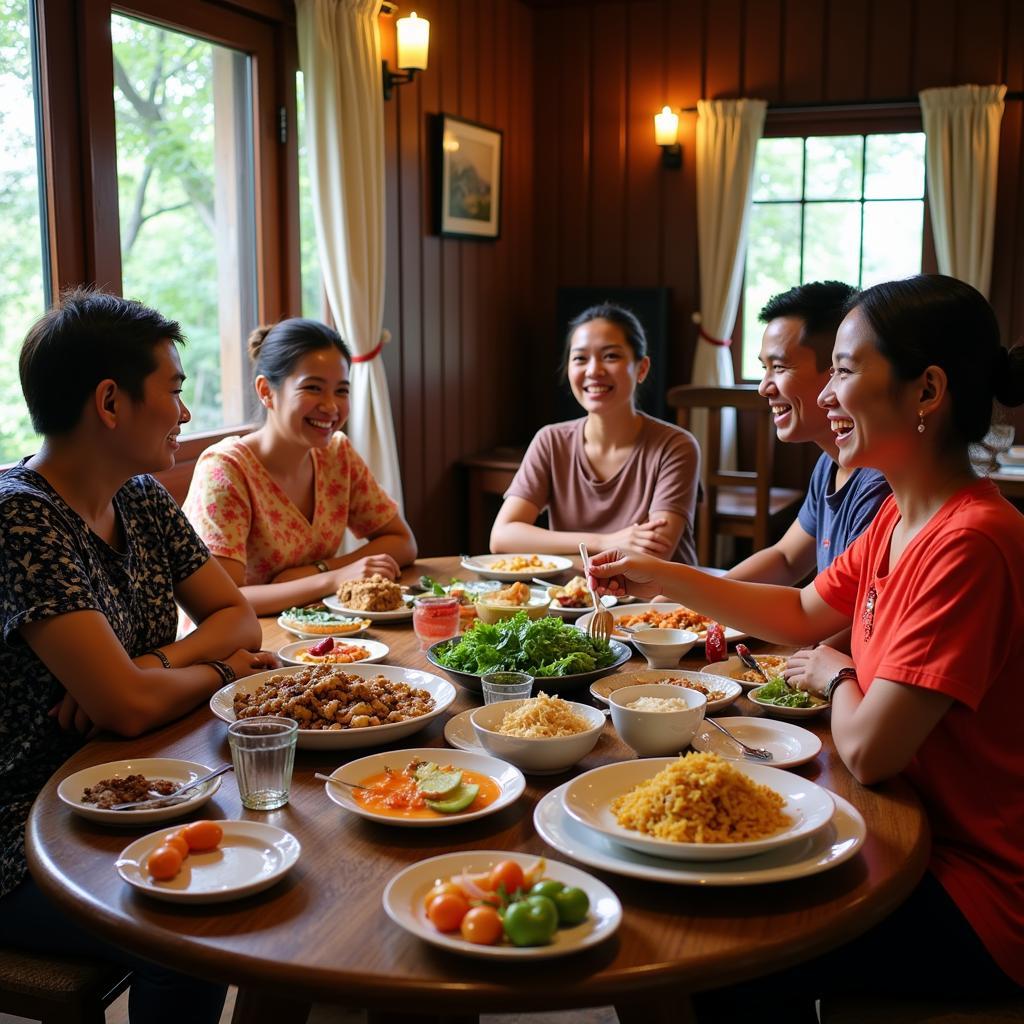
338,782
758,753
743,653
177,796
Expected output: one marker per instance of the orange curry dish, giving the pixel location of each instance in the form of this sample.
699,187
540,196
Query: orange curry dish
399,793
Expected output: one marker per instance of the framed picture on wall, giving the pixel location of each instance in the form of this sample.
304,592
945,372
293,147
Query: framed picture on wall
469,178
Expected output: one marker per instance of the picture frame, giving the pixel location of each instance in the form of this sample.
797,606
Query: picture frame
469,171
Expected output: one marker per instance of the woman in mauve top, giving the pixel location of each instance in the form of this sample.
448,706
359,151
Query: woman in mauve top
616,477
934,594
273,506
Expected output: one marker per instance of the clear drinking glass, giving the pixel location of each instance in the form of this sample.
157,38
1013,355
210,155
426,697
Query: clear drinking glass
263,752
506,686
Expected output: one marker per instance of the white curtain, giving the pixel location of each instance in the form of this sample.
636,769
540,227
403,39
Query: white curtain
339,53
727,136
961,126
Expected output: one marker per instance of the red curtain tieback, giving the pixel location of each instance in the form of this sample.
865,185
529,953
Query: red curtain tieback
368,357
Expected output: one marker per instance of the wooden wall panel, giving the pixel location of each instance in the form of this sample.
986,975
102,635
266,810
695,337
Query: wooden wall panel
603,206
451,304
845,49
890,35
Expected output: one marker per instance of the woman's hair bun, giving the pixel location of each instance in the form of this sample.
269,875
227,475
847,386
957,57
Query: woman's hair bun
256,339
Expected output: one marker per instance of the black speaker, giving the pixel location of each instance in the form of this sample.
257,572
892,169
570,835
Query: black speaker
651,306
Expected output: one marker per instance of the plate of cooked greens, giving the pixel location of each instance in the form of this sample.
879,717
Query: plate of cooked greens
556,654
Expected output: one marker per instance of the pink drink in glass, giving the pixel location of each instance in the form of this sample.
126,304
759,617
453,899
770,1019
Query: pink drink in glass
434,619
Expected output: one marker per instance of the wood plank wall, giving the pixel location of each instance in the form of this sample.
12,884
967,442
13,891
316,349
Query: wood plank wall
608,214
457,309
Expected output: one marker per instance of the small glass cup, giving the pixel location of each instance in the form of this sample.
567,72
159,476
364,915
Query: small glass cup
263,752
435,618
506,686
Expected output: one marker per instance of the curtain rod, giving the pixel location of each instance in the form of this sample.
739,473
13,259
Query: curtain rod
799,108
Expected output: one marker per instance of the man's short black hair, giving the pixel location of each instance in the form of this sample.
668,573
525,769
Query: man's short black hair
821,305
87,336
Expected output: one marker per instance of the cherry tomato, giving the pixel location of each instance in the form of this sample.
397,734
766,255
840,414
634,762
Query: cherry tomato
202,836
506,873
482,926
547,887
177,841
164,863
531,922
714,643
442,889
447,911
572,905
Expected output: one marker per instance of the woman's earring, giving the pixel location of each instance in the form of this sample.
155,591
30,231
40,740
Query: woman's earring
920,425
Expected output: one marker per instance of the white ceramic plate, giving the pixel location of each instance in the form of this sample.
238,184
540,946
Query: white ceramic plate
602,687
378,651
837,842
509,779
405,612
305,635
661,606
403,903
780,711
252,856
443,692
589,796
732,668
70,790
481,565
790,744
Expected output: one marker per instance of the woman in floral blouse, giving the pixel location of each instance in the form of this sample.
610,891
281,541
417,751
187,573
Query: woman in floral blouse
273,505
95,558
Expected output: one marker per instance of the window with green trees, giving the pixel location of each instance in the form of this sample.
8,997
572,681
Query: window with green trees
23,284
183,115
832,207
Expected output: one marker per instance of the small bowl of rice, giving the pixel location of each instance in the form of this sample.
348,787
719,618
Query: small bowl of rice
542,735
656,719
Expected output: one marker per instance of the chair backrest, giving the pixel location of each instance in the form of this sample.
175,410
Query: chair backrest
685,399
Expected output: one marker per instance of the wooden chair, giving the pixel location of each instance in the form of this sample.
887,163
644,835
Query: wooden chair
58,990
736,503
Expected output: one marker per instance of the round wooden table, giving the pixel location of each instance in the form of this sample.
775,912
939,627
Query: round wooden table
321,934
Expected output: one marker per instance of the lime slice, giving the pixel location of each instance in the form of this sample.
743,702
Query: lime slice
459,799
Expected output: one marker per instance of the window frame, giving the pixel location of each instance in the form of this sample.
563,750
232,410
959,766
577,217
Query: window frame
803,122
76,97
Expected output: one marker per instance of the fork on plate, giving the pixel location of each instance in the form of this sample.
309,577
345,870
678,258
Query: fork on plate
178,796
757,753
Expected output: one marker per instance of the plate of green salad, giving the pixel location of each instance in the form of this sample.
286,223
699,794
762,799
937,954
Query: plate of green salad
556,654
779,698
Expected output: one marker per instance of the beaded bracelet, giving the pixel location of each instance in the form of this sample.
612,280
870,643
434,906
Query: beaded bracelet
160,656
224,670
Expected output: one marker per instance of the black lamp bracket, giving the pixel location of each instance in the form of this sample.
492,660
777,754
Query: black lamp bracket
393,79
672,156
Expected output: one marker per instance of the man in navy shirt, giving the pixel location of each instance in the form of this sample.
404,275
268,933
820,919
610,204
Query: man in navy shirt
796,353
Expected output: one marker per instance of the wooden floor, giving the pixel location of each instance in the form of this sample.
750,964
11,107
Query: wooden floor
117,1013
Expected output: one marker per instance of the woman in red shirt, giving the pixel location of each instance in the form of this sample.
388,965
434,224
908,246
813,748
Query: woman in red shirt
933,593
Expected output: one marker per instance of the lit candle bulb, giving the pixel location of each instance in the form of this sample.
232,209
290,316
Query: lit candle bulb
666,127
413,42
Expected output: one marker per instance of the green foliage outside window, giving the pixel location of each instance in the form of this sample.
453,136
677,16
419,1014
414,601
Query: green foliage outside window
836,207
22,290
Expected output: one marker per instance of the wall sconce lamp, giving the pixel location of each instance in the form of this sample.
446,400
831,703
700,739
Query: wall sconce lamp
413,41
666,135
